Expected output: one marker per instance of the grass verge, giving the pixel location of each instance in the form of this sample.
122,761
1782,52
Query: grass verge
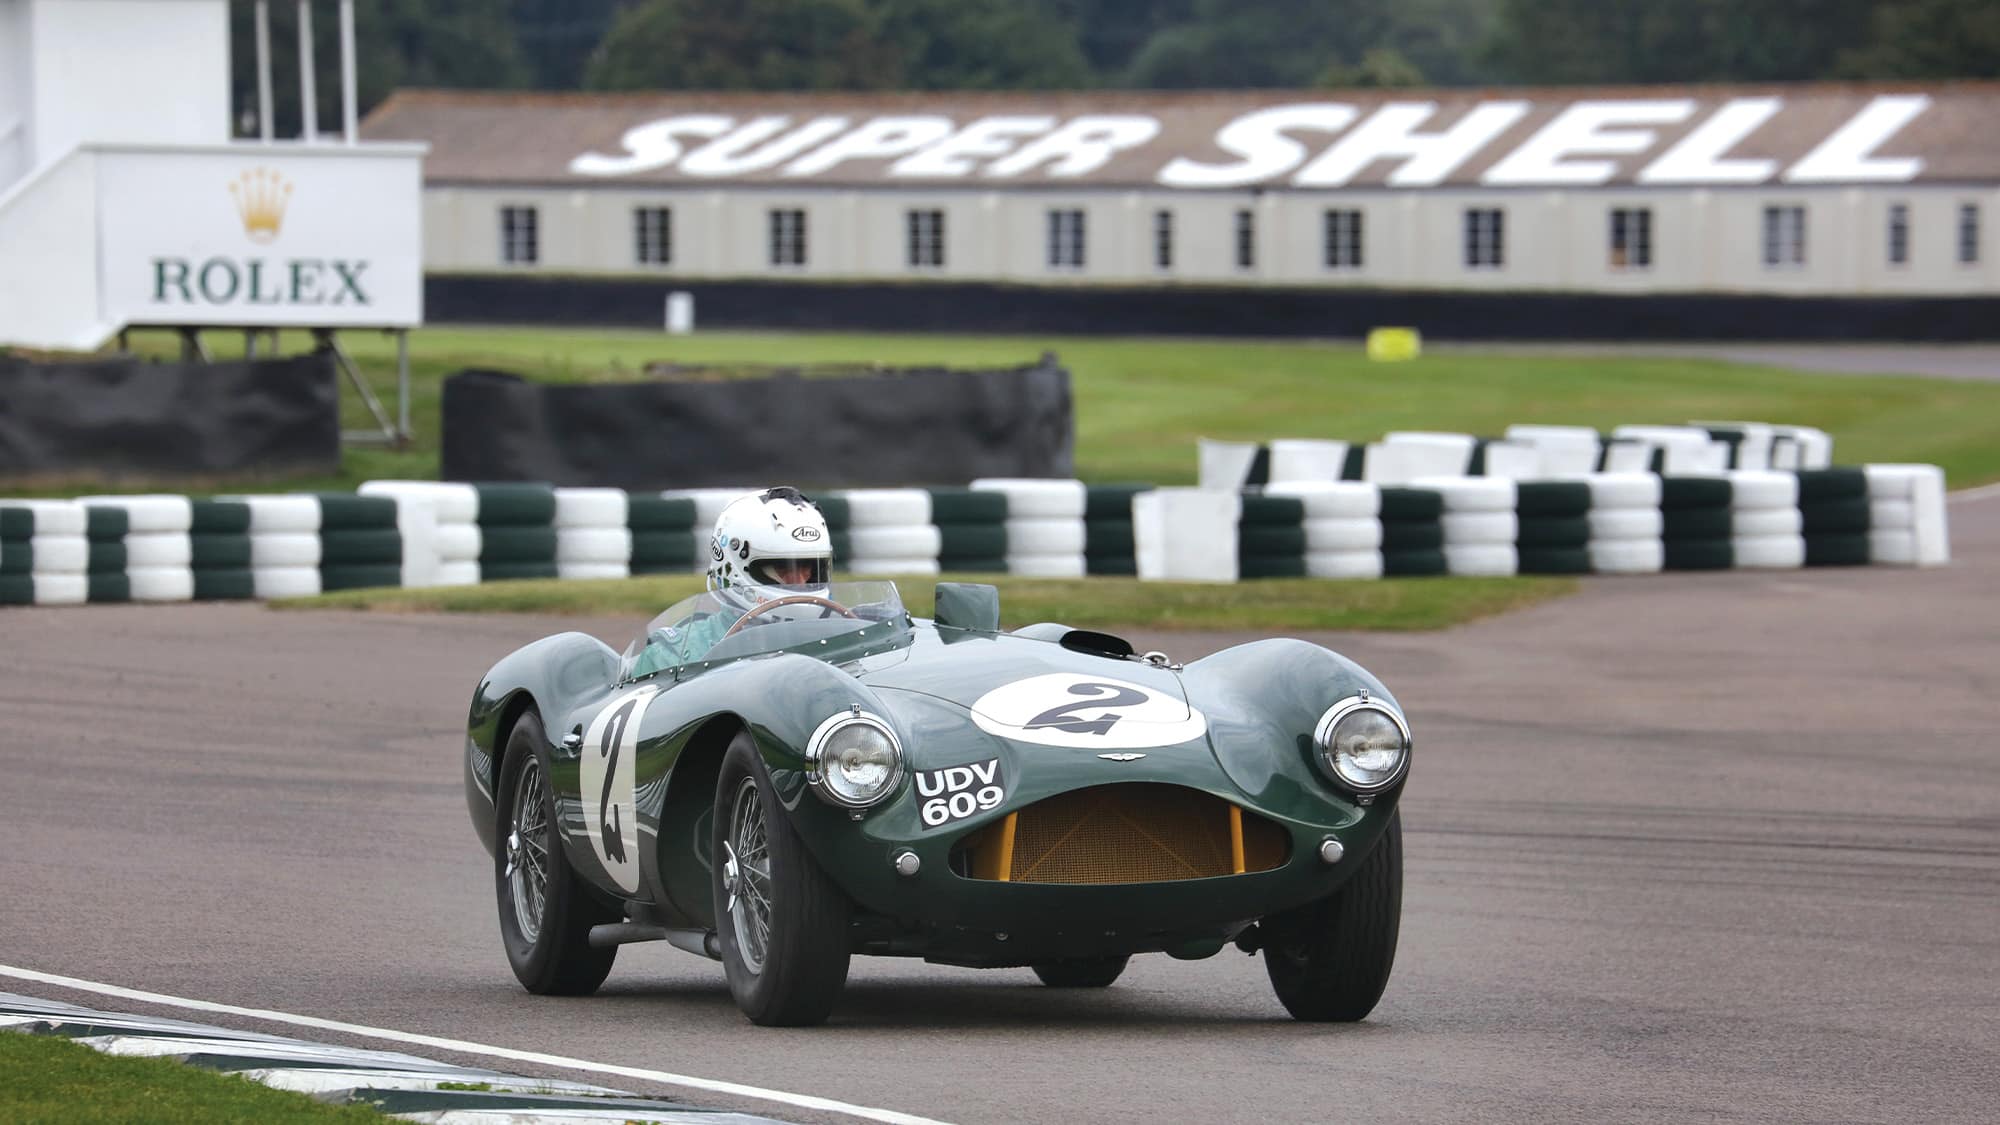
1390,604
48,1078
1142,402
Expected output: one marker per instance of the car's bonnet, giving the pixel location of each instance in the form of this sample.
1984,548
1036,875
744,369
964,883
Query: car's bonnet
1037,691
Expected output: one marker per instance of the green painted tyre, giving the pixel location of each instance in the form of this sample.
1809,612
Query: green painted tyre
1551,498
546,912
1405,504
1695,523
1834,517
1271,539
517,544
224,549
339,511
516,505
1553,531
1330,960
217,584
1110,538
646,512
781,922
1272,566
360,576
108,588
1412,563
1413,535
972,540
1554,560
967,506
219,517
1699,554
1837,550
1117,566
505,571
1695,492
359,547
663,550
1281,510
1084,972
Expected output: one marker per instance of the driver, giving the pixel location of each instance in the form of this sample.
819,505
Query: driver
766,545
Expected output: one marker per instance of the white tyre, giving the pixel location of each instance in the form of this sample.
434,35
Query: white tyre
1892,515
1769,552
1624,523
1333,499
53,517
1344,564
592,570
1623,490
1897,482
1037,499
1627,556
285,581
60,554
1472,494
1220,464
61,589
593,545
458,572
280,513
1481,559
1464,529
148,513
591,507
1046,566
1296,460
284,549
161,583
158,548
708,502
1771,521
886,507
1056,536
455,503
892,566
458,542
1343,535
919,541
1893,547
1751,489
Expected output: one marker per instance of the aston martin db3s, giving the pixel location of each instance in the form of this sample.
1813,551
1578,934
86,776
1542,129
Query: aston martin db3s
833,776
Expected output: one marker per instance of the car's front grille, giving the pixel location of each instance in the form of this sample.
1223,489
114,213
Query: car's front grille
1130,833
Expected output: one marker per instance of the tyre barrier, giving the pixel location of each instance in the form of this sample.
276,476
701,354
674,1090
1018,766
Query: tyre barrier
429,533
1046,536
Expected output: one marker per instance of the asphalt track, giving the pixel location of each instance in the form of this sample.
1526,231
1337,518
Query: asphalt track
1718,847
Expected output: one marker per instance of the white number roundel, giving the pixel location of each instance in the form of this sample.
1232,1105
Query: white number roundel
1086,713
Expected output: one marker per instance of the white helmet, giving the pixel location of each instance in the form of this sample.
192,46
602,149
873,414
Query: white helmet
770,538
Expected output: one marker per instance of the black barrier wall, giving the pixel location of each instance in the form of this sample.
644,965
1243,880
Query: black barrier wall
892,428
1208,310
125,416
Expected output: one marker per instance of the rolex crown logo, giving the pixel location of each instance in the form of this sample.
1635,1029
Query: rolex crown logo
261,197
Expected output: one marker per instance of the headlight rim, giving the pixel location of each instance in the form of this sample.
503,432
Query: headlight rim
1329,721
816,763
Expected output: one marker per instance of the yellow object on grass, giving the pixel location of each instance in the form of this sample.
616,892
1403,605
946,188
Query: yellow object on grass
1392,345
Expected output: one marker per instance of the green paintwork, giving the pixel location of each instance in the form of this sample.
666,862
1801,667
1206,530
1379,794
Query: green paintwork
1261,701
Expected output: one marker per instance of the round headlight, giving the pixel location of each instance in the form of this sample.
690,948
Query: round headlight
1363,744
854,759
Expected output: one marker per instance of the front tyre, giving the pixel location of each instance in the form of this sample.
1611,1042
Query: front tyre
781,922
546,912
1329,960
1084,972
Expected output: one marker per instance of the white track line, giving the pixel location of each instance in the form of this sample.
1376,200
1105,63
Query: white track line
1983,492
460,1046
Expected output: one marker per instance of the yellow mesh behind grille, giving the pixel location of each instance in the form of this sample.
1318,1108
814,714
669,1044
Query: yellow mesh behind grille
1134,833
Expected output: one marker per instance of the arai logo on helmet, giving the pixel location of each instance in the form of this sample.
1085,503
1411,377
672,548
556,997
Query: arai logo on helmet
806,534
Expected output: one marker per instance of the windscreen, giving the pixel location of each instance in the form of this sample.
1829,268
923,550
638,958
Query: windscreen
724,624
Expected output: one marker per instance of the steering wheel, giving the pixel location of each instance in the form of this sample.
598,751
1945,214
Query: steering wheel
790,599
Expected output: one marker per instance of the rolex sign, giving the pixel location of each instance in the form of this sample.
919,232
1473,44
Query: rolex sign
255,236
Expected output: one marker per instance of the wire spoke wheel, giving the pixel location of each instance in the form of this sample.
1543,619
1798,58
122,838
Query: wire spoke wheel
528,853
751,912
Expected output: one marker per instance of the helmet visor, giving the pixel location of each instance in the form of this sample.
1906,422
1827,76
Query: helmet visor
789,572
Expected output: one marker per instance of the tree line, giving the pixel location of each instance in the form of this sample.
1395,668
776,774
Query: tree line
1117,44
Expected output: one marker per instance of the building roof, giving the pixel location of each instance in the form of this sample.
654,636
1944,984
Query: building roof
1721,136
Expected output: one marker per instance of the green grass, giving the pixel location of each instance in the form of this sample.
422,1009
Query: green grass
1392,604
1141,403
51,1079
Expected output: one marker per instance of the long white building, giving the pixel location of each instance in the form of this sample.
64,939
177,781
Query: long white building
1822,190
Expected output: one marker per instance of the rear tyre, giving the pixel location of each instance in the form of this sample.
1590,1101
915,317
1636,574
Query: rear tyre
1083,972
1329,960
546,911
781,922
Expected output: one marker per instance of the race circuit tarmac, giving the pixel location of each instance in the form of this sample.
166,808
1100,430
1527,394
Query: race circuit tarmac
1703,846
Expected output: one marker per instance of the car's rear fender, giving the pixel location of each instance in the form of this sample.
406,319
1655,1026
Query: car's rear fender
551,676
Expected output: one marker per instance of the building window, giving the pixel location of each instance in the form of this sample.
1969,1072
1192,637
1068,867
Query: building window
1066,238
1968,234
653,235
1485,238
1163,240
1899,234
1343,239
1246,239
926,238
1631,238
788,237
519,243
1784,236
